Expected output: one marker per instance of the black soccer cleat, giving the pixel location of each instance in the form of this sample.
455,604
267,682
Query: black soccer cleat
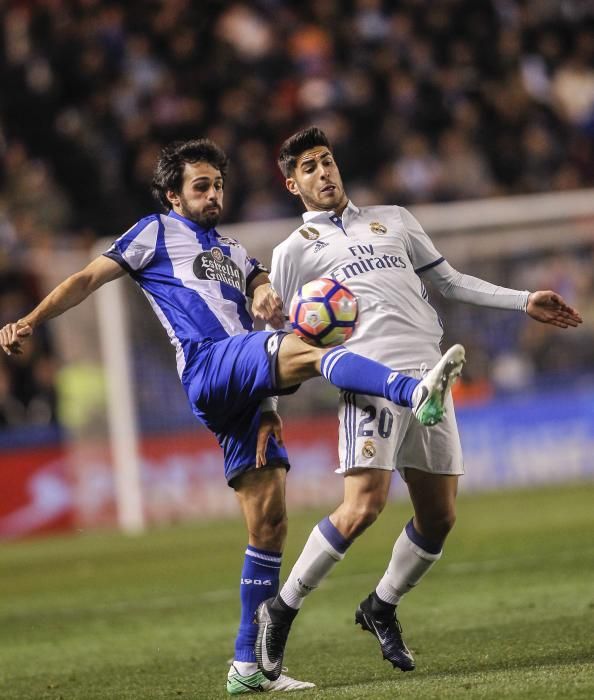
274,625
388,632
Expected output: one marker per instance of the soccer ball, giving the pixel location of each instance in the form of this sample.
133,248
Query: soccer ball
324,312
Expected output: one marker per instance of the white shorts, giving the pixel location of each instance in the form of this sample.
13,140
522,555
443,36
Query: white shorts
374,433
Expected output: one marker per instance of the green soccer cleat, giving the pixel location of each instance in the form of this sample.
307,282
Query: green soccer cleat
430,394
258,683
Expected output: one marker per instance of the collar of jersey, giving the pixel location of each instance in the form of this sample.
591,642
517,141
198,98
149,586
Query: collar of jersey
202,233
311,215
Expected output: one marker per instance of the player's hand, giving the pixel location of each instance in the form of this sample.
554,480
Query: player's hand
267,305
13,335
550,307
270,424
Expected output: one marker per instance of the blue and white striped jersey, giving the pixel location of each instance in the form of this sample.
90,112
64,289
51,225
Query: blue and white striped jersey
195,280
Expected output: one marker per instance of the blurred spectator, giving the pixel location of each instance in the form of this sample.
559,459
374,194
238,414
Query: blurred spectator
465,173
501,88
32,386
573,82
417,171
424,101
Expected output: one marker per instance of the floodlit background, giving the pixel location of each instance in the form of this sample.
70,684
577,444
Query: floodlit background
477,115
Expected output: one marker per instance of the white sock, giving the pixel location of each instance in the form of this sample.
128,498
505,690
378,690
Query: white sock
245,668
408,565
323,549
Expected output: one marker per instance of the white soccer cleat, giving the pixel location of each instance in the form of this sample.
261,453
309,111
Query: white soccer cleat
429,396
257,682
287,684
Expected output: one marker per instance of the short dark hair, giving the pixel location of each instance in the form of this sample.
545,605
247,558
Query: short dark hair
169,172
294,146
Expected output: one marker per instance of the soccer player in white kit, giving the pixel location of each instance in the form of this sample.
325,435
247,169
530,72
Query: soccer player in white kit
383,255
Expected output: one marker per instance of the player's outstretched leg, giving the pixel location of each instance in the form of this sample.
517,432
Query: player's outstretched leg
258,683
297,362
429,396
352,372
274,620
380,619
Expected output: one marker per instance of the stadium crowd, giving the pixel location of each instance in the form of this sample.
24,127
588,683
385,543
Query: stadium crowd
424,101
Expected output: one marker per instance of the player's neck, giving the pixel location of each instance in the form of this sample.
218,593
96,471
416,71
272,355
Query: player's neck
338,210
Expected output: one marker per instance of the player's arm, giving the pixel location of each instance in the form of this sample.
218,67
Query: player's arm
454,285
550,307
270,424
544,306
266,303
282,279
67,294
288,271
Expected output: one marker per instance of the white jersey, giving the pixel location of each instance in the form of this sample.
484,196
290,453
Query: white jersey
378,253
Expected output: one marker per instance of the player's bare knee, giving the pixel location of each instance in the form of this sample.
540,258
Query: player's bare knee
310,360
365,518
358,517
297,361
274,525
270,532
437,527
448,522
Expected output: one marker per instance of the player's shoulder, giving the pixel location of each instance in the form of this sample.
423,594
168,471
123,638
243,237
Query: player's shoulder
228,241
149,219
141,228
380,211
384,215
295,241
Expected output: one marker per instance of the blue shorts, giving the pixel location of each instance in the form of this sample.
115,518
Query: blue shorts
227,381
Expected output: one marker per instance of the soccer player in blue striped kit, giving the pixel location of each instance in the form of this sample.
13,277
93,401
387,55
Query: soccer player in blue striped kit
198,284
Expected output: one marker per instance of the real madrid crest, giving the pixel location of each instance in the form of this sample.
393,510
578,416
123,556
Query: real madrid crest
368,450
378,228
310,233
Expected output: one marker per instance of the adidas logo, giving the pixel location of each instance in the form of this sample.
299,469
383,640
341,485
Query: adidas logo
318,246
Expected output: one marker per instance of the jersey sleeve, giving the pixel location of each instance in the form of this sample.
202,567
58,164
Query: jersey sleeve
423,254
253,268
472,290
284,282
284,274
136,248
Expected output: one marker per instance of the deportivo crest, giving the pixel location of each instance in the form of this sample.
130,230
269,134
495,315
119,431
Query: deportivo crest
310,233
368,450
378,228
215,266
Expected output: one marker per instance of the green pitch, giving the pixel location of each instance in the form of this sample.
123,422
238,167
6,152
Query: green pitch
508,612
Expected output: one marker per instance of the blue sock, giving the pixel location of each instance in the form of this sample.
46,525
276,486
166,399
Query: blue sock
358,374
259,581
